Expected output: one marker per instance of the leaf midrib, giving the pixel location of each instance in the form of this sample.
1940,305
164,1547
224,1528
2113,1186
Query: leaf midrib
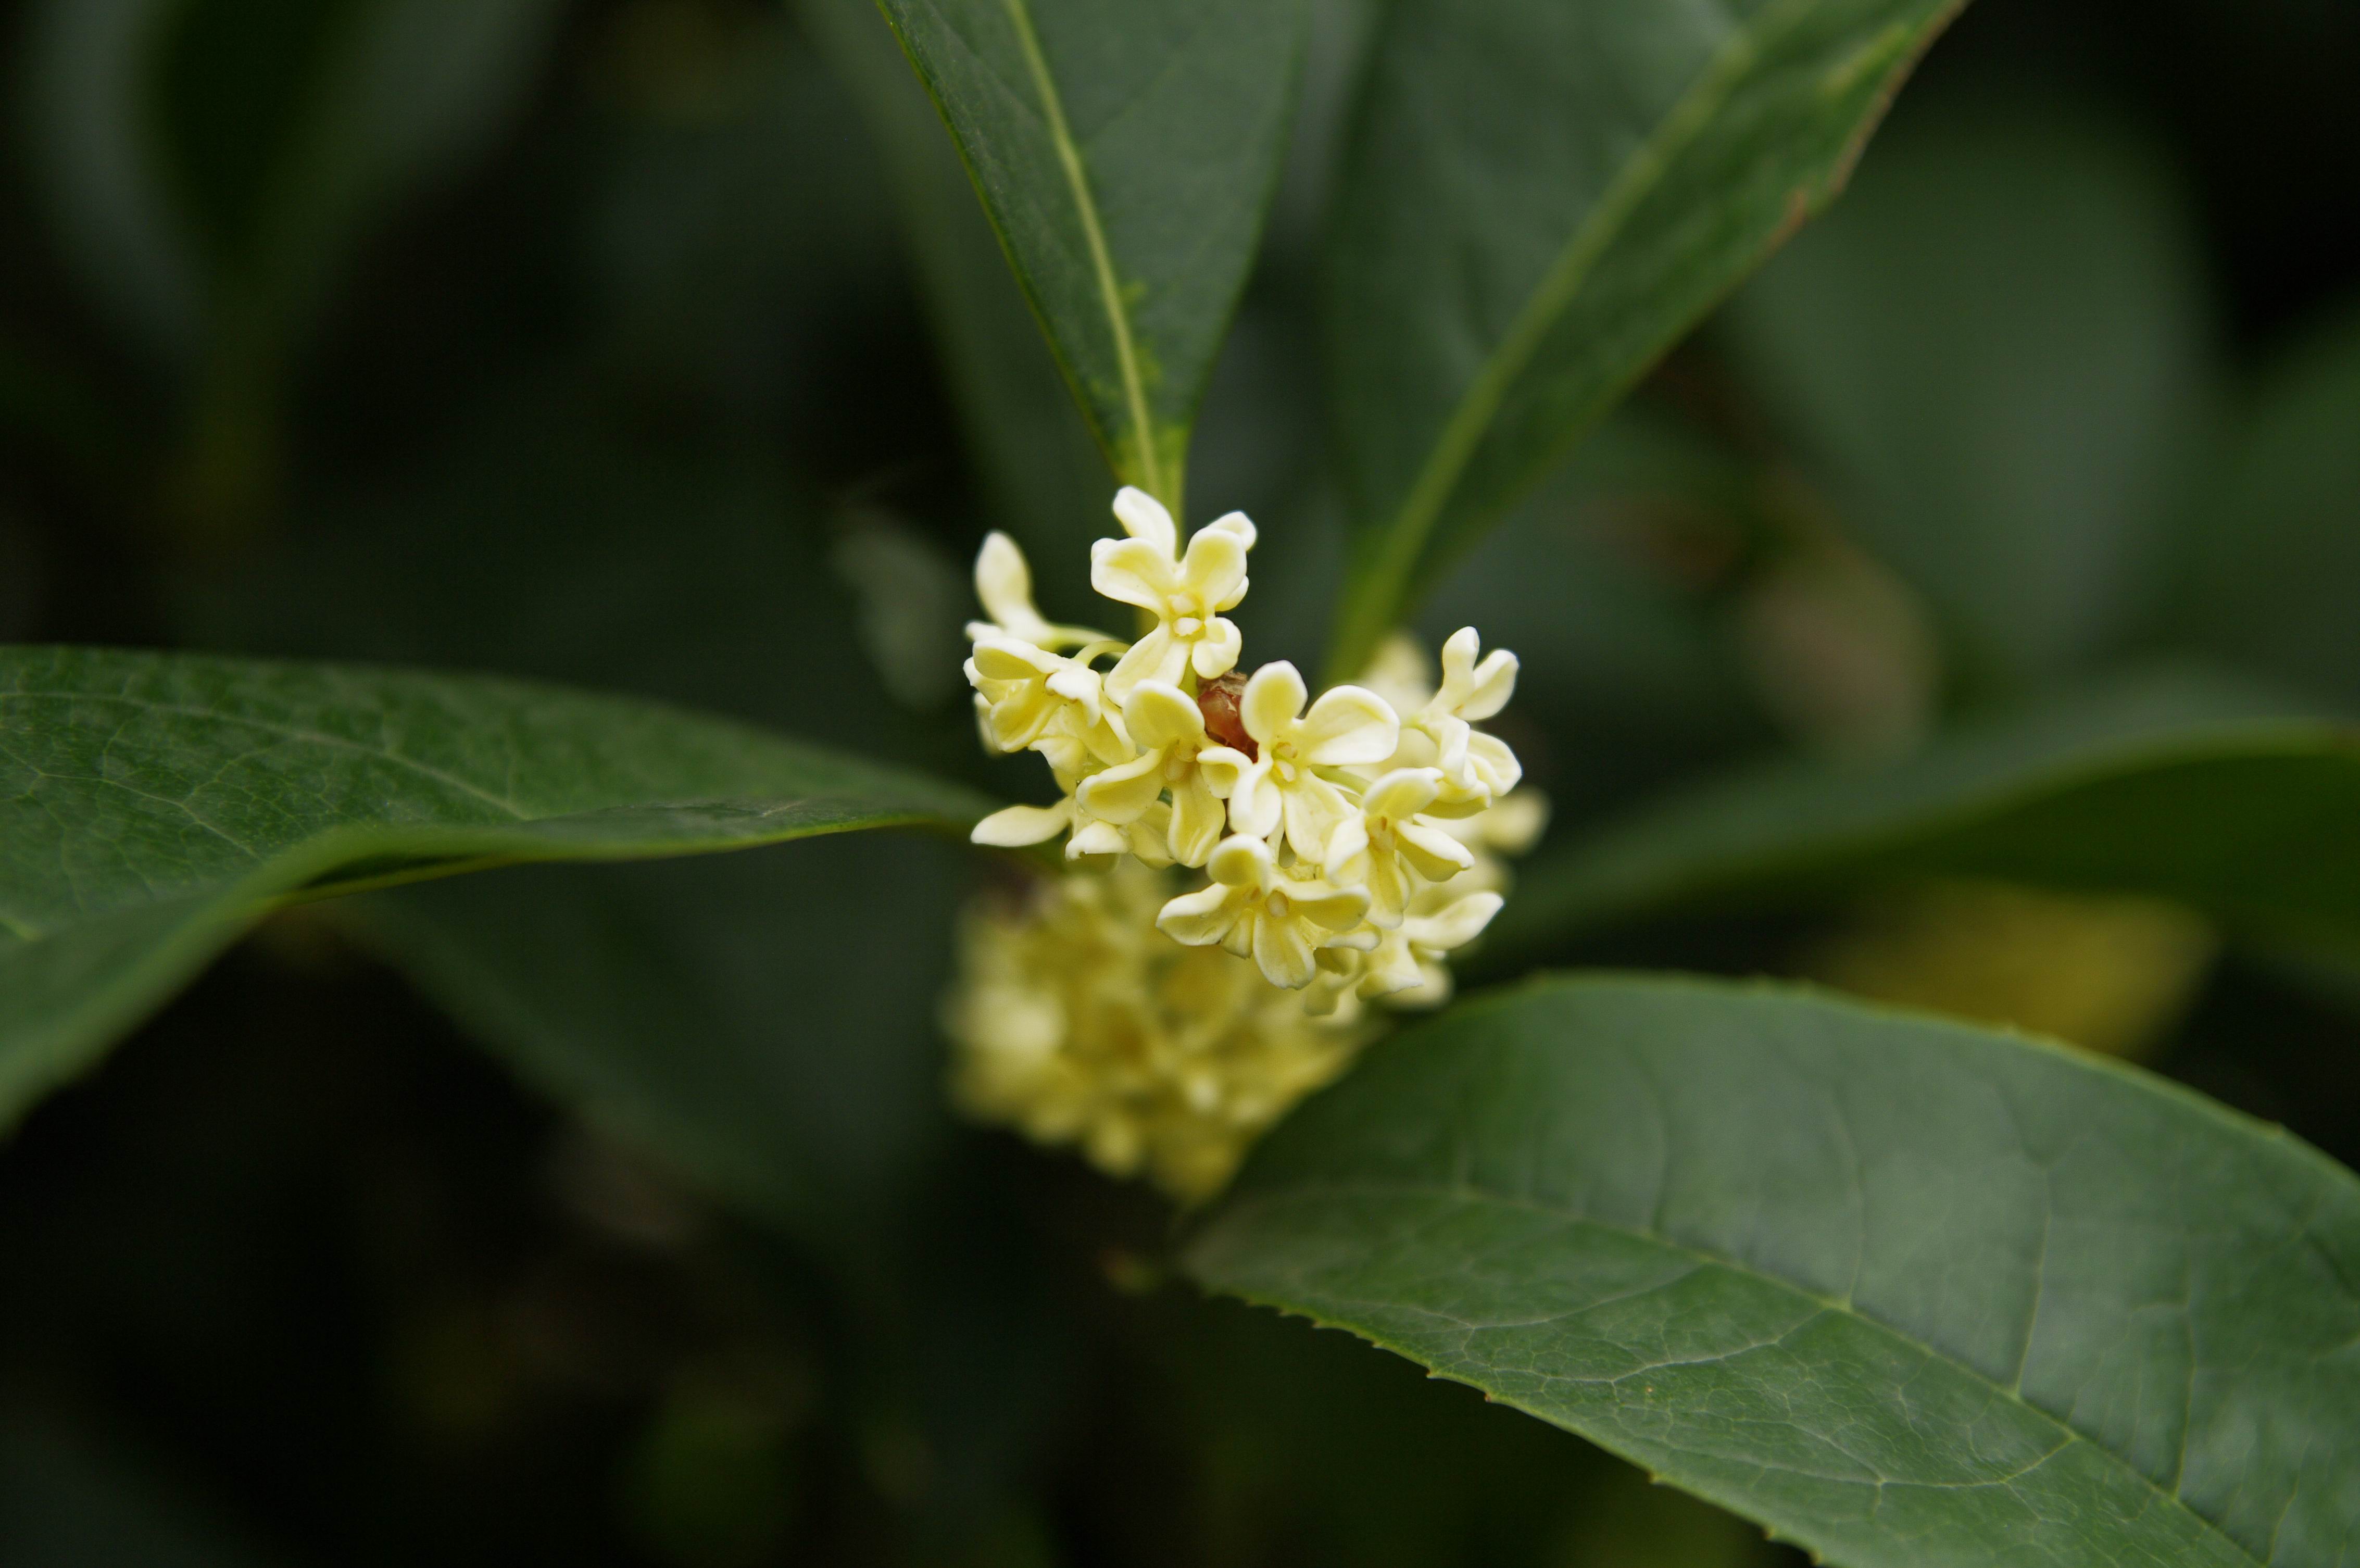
1412,523
1069,160
1478,1195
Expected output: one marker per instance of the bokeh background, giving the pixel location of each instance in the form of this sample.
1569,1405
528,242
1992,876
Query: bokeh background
652,345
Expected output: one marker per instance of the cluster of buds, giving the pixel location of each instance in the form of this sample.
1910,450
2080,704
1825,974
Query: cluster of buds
1344,845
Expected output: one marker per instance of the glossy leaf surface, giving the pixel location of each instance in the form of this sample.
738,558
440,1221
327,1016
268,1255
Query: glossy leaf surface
152,805
1126,151
2168,783
1541,197
1913,1294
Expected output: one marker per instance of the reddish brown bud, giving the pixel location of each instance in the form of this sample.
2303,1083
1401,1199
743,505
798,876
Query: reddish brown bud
1218,701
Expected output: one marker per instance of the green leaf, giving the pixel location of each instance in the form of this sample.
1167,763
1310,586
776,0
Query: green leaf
204,160
2274,568
1992,355
2167,782
1126,151
1913,1294
153,805
749,1018
1042,472
763,1023
1543,196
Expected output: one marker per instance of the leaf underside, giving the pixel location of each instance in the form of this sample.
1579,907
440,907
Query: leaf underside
1905,1291
2167,783
153,805
1541,197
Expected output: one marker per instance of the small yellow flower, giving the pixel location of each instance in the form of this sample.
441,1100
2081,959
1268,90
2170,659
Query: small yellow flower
1004,583
1163,721
1076,1020
1144,836
1437,726
1185,594
1281,782
1406,967
1027,695
1252,908
1388,840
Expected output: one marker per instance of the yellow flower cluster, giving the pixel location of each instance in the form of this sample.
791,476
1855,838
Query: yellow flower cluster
1078,1022
1346,846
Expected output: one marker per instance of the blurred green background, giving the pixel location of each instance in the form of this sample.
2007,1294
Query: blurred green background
601,341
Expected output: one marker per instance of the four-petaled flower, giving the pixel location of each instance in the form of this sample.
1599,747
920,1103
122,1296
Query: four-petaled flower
1171,729
1477,769
1185,594
1028,696
1254,909
1380,848
1348,727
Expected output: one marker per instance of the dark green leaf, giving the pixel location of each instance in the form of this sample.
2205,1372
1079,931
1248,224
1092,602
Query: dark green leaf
2275,573
202,160
750,1019
1541,197
762,1022
1042,472
2168,783
1126,151
152,805
1914,1294
1993,354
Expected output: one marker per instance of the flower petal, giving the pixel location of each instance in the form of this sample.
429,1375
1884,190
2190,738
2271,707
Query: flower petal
1349,725
1132,571
1012,827
1256,803
1514,824
1236,523
1315,809
1437,856
1143,518
1096,839
1216,648
1158,656
1391,969
1389,891
1273,698
1241,862
1460,922
1004,583
1490,760
1337,908
1004,659
1283,953
1474,691
1123,794
1200,919
1195,820
1346,863
1160,713
1403,793
1224,768
1215,568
